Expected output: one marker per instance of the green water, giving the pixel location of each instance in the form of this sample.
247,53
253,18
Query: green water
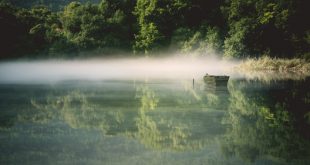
155,122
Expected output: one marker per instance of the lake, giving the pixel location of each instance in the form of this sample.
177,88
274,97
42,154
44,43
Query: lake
152,120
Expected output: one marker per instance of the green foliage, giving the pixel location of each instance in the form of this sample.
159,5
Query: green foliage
234,45
148,34
204,41
54,5
147,38
214,40
92,26
26,31
236,28
265,27
78,28
154,19
193,43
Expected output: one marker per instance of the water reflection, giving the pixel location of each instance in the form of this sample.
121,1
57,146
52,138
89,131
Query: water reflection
265,121
216,93
246,122
164,128
158,131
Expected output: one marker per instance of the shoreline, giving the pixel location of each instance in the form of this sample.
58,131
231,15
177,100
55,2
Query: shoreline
297,65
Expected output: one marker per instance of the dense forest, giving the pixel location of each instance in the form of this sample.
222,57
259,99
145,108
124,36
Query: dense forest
54,5
229,28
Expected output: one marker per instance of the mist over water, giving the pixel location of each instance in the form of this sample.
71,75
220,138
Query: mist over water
104,69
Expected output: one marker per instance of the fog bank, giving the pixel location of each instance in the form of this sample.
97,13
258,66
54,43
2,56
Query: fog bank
107,69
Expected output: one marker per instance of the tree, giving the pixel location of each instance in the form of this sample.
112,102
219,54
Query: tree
265,27
25,31
157,20
93,26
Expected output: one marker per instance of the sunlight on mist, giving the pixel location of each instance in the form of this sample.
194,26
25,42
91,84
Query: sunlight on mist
104,69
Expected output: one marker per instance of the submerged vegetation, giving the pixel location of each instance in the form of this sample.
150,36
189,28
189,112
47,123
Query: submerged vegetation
235,28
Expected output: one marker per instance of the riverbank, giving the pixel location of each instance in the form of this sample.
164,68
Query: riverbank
275,64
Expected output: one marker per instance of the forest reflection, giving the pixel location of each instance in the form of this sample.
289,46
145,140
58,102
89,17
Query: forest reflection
163,127
248,119
267,121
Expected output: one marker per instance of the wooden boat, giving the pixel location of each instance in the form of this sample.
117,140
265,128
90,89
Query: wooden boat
216,80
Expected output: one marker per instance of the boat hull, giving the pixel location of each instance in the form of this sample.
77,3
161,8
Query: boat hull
216,80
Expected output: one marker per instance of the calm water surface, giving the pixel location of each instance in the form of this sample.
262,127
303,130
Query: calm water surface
155,121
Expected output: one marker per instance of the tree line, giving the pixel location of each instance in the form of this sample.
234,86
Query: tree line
230,28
